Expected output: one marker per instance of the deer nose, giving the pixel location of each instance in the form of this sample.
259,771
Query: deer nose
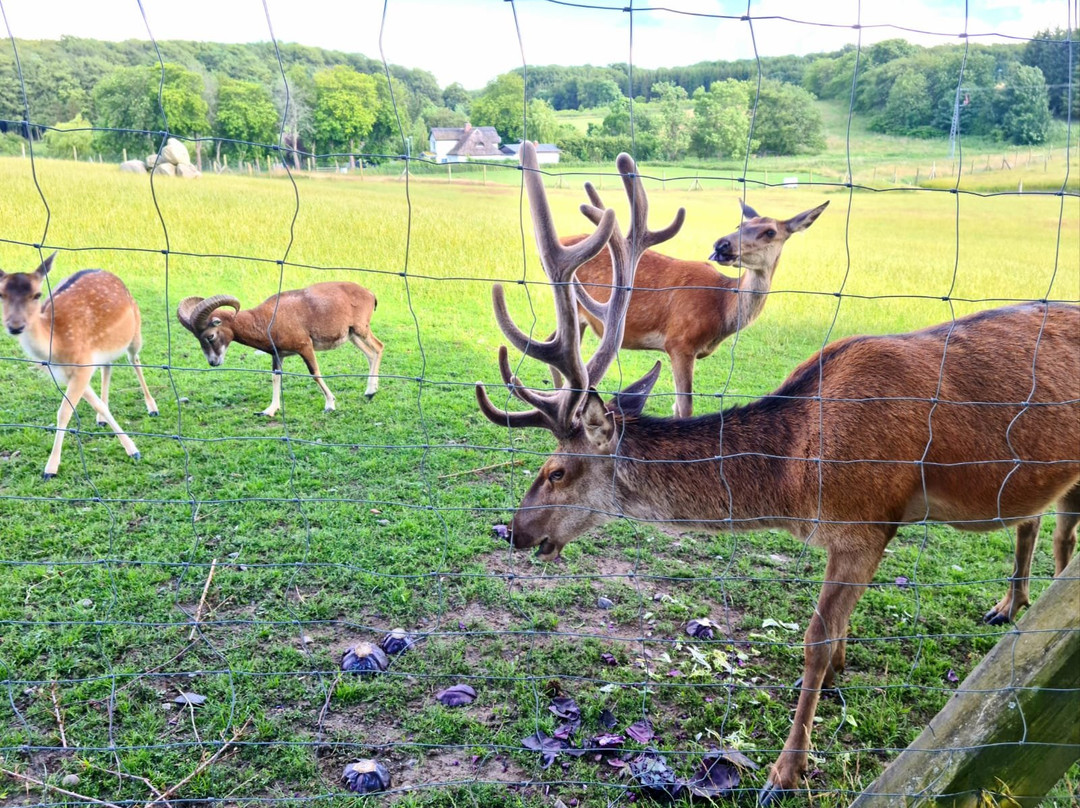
15,330
722,249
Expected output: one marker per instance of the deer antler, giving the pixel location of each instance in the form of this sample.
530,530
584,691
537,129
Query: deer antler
552,410
573,377
625,254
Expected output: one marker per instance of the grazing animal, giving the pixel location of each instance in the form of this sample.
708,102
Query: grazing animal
974,423
687,308
300,322
87,322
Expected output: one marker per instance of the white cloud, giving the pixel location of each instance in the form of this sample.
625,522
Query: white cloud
472,41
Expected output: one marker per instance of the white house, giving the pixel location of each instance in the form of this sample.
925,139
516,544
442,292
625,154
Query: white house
461,144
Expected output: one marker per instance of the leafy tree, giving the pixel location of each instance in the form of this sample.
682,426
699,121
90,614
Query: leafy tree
456,97
721,123
786,120
346,105
245,115
909,109
443,117
502,105
674,133
1049,52
597,91
1025,106
67,139
126,102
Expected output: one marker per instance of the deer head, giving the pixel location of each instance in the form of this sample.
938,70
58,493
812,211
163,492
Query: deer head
757,244
574,491
20,293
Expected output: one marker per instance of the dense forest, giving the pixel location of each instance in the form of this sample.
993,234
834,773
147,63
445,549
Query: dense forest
87,96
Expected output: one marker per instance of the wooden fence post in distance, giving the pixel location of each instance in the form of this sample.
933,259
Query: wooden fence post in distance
1012,723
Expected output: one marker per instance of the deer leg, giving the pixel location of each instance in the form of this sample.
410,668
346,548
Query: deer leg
371,347
1006,609
77,382
103,412
846,577
308,355
682,369
106,377
275,400
151,405
1068,518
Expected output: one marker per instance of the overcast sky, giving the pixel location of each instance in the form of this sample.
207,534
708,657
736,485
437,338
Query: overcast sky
472,41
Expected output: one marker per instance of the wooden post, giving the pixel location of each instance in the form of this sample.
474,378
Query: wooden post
198,154
125,155
75,153
1012,723
449,172
225,162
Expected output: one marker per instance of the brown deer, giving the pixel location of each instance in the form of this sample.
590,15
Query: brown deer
300,322
87,322
975,423
687,308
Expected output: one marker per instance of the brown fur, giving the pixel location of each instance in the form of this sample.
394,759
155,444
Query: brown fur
978,459
687,308
299,322
89,321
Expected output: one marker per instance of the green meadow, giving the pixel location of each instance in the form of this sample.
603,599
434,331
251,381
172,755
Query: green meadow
292,539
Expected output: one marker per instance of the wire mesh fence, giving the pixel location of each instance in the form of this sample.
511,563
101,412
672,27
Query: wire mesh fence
196,626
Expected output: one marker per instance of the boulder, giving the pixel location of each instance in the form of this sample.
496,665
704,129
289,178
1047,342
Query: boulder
151,160
188,171
175,152
133,166
167,169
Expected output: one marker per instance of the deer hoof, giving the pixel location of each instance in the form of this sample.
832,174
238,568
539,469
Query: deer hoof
153,413
136,457
995,618
369,396
770,793
48,475
826,690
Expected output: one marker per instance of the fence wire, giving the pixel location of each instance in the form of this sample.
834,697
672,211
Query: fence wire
179,644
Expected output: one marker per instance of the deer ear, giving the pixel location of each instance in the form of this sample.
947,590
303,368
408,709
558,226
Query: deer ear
598,422
747,211
801,221
45,266
630,401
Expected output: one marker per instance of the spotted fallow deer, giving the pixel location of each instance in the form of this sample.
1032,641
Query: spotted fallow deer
298,322
974,423
686,308
87,322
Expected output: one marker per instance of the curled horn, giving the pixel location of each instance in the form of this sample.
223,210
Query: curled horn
194,312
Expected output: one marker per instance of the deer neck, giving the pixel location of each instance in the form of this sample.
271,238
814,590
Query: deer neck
750,295
714,472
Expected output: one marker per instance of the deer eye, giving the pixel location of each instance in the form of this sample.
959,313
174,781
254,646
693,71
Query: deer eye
556,475
770,233
37,296
211,337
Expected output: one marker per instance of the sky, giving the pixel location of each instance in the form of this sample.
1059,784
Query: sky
472,41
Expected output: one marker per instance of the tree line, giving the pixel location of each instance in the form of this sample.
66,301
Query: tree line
87,96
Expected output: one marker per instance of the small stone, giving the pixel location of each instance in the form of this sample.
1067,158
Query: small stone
307,639
605,603
86,603
70,780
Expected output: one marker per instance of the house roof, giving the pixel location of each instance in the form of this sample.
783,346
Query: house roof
479,141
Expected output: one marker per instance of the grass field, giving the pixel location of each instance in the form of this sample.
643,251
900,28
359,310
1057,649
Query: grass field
305,534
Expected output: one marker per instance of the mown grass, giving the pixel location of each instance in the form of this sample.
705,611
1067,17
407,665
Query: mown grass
323,529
